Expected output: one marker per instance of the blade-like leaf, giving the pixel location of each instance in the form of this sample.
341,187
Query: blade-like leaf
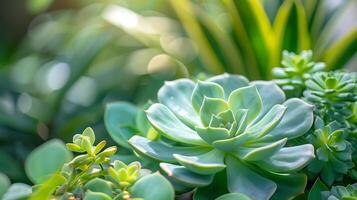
291,27
186,14
250,19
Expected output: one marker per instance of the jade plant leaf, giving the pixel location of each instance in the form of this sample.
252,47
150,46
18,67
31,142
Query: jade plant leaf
119,118
96,196
17,191
161,188
4,184
46,160
99,185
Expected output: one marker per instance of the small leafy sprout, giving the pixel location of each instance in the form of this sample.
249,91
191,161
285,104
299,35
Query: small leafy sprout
295,70
86,166
333,152
124,175
91,175
84,143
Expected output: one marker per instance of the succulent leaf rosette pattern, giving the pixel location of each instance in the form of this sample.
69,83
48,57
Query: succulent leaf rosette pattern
333,94
228,125
295,70
333,151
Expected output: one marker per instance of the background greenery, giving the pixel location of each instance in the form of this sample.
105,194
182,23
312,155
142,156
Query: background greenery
62,61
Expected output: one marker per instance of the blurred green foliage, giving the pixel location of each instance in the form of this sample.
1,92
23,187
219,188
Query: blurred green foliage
247,37
79,55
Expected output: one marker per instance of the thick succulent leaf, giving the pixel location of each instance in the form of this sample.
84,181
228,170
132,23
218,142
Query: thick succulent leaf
210,134
246,98
153,186
271,98
242,179
296,121
162,119
141,120
90,195
289,159
162,152
208,163
233,196
288,185
211,106
268,122
229,82
4,184
231,144
205,89
176,95
46,160
119,117
99,185
17,191
260,152
186,177
316,189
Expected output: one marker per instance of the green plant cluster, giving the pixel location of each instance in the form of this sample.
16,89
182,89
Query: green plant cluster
222,138
91,175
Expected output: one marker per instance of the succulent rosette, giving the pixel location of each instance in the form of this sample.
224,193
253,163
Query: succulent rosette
341,193
226,124
295,70
333,94
333,152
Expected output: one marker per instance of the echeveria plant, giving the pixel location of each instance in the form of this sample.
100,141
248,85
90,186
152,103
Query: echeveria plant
295,70
333,94
341,193
226,125
333,151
